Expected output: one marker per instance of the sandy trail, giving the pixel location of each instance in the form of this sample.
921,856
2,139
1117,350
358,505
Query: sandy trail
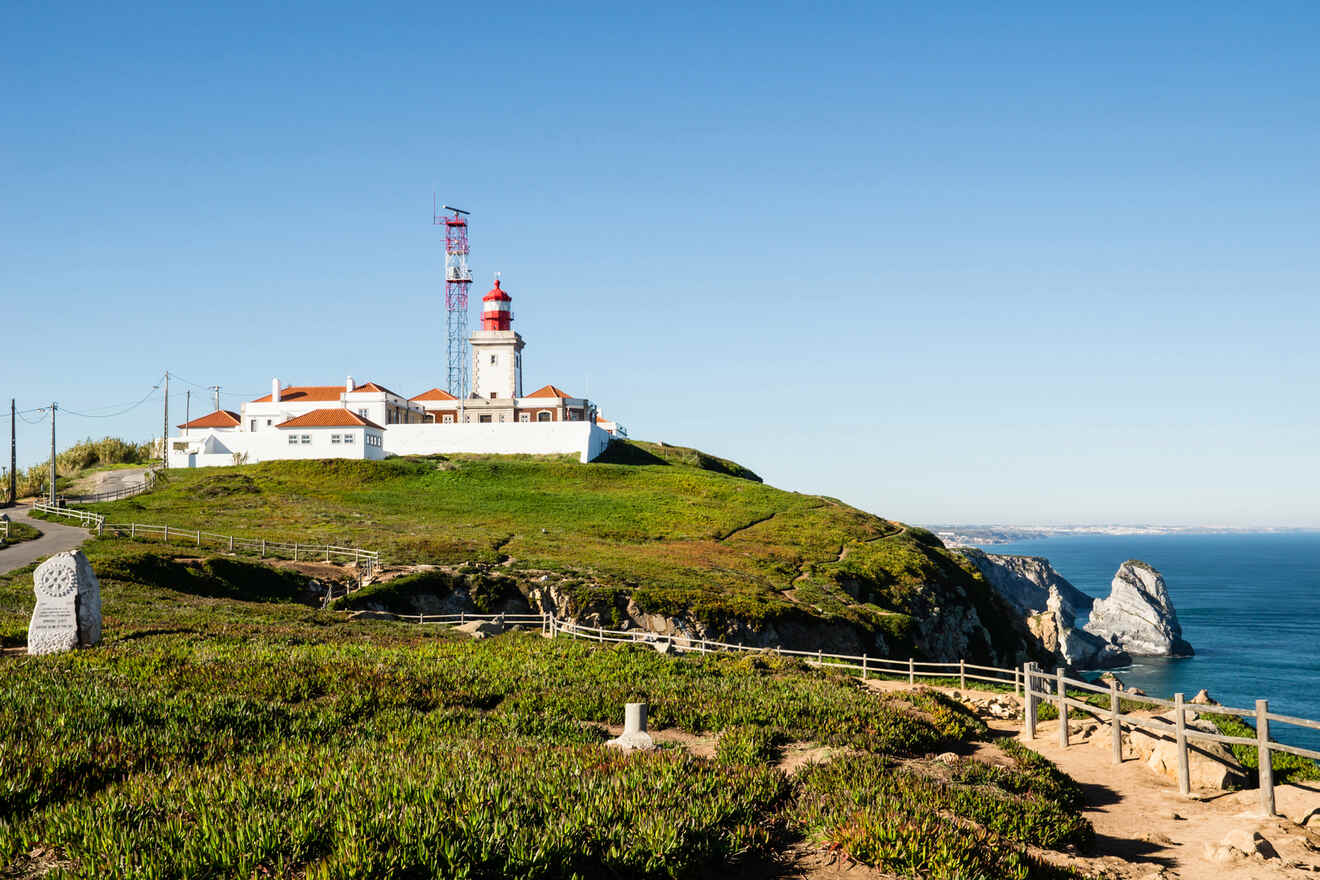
1145,829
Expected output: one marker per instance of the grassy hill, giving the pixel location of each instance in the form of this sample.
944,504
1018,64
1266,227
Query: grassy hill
223,730
649,528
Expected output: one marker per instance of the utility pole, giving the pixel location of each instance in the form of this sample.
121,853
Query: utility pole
53,407
13,453
165,428
187,410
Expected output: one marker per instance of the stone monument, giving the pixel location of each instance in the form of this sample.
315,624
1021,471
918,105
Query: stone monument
68,612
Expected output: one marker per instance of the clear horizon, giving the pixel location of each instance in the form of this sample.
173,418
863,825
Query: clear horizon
947,263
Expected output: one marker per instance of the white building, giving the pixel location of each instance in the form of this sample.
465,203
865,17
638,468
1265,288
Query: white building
370,421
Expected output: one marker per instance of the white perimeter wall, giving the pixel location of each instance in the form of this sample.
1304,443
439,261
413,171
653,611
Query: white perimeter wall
500,438
583,439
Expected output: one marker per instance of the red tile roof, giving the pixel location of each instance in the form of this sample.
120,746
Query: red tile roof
434,394
221,418
550,391
306,393
329,418
372,386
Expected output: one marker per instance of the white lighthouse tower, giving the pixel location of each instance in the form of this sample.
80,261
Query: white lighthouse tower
496,350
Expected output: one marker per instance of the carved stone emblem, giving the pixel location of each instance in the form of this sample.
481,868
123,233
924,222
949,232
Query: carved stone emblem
68,612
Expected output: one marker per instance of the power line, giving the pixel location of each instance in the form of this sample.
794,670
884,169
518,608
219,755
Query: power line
119,412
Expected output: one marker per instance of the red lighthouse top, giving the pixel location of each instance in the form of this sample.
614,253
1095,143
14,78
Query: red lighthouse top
495,312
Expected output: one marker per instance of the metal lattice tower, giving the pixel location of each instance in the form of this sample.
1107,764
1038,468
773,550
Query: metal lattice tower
457,279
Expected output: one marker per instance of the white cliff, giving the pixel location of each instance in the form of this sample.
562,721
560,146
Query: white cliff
1026,582
1139,614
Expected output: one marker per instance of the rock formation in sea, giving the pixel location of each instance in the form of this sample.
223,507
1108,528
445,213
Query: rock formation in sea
1139,614
1050,605
1025,581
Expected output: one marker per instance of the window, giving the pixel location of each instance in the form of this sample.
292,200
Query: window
467,418
483,419
494,359
524,417
501,417
253,425
543,416
362,412
293,439
334,439
305,439
494,394
267,423
448,418
348,439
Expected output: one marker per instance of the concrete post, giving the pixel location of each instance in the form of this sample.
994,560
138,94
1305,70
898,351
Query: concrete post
1063,708
912,672
634,718
1263,755
1115,724
1180,737
1028,701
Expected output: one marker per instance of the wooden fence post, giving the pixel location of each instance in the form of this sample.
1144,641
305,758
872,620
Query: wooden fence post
167,533
1017,684
1115,723
295,551
1028,701
231,543
912,672
820,656
863,667
1263,755
962,674
1180,738
263,548
1063,708
199,537
132,530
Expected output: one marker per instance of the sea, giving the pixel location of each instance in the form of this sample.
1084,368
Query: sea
1249,604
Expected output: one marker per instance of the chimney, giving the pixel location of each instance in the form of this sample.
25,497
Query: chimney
275,390
349,386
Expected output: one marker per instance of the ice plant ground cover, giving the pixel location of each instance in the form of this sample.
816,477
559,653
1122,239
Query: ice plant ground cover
224,730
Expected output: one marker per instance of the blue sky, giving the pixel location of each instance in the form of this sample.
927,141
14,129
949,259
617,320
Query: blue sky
945,261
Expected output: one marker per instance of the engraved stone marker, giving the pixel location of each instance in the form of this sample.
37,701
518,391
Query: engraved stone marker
68,612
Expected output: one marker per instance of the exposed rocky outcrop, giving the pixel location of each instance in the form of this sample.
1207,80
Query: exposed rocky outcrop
1057,633
1027,581
1138,614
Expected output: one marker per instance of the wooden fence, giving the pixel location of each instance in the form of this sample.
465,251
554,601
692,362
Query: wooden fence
368,560
1029,681
148,482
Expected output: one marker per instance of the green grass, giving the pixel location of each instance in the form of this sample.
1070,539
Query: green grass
222,730
671,530
19,532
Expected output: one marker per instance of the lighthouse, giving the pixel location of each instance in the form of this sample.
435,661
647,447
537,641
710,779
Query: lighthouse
497,351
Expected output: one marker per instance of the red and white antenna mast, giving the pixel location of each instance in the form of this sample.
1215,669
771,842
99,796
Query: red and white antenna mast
457,279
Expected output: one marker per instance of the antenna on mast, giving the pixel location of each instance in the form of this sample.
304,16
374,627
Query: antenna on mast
458,277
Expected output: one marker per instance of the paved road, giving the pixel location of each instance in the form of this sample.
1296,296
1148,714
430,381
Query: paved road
54,538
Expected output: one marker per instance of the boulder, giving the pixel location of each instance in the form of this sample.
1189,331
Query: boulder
1203,698
1249,843
480,629
1138,614
68,610
1210,765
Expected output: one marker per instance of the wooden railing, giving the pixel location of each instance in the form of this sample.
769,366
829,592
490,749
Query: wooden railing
1054,687
263,547
148,482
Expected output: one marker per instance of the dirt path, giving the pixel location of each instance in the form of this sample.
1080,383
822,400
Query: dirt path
55,538
1145,829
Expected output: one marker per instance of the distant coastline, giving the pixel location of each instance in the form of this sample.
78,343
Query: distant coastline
986,535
